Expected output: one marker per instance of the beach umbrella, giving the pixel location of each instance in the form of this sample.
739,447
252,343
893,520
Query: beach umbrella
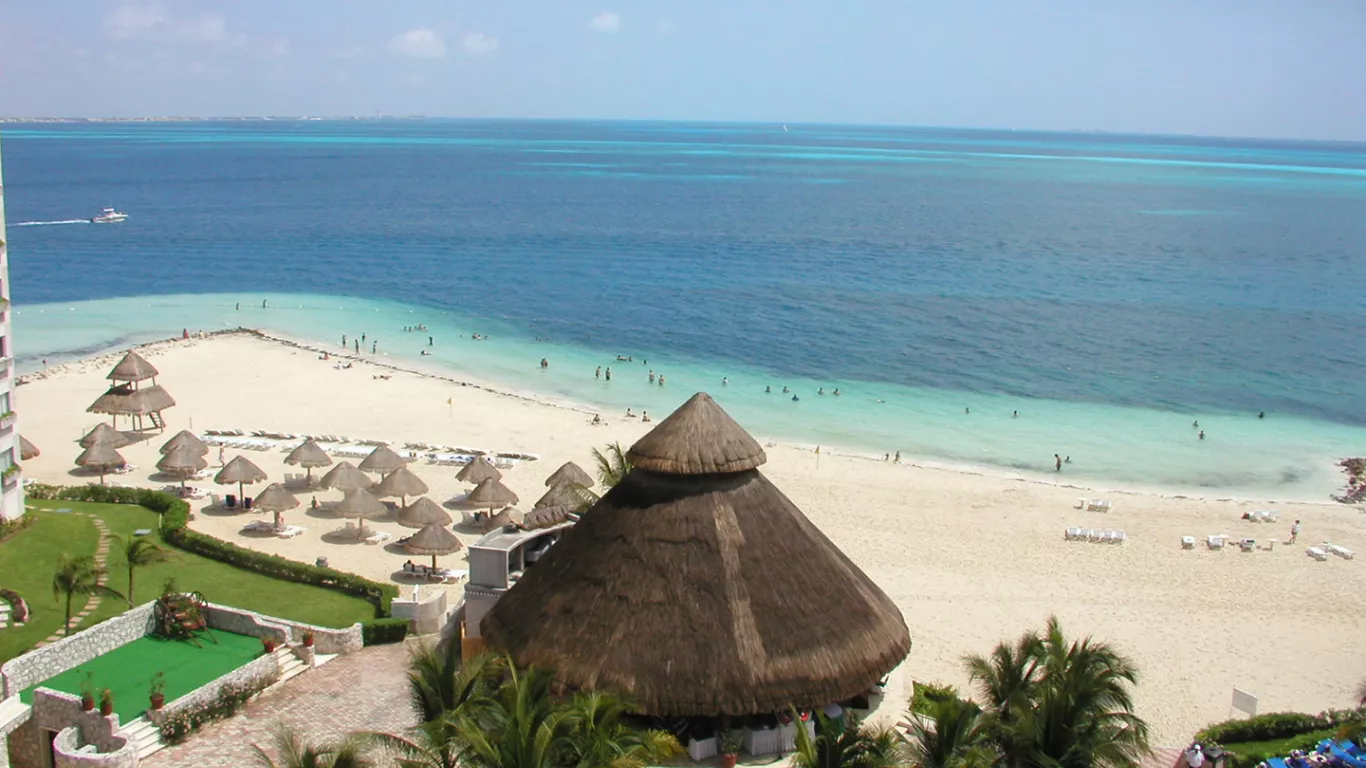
562,495
544,517
571,474
422,511
100,457
309,455
345,476
478,471
103,433
382,460
275,498
27,450
401,483
241,471
491,493
133,367
360,504
186,438
434,539
182,462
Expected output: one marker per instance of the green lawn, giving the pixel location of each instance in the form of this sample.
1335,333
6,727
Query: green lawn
28,559
127,671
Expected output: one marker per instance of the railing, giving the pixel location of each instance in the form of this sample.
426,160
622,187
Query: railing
11,475
6,420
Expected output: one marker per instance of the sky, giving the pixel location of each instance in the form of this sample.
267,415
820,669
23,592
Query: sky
1267,68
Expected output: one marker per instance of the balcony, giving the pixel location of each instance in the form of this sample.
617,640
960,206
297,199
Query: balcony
6,421
10,477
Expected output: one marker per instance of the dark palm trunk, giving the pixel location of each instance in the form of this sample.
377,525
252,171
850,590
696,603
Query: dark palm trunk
66,628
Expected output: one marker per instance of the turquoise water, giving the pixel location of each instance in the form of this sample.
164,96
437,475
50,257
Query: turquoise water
1112,289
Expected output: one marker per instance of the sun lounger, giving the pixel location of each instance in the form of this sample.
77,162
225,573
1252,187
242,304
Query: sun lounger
1342,552
1099,505
259,525
1247,545
1188,542
1317,553
378,537
1071,534
1215,542
289,531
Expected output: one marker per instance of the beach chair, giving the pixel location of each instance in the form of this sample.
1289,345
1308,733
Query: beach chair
290,531
1215,542
1317,553
1342,552
1188,542
1119,537
378,537
1247,545
1071,534
1099,505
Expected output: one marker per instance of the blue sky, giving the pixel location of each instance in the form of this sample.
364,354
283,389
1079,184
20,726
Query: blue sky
1291,68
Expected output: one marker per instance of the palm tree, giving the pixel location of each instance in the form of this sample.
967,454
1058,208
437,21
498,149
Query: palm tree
845,743
439,684
432,746
949,733
295,753
519,727
78,576
138,552
612,465
597,737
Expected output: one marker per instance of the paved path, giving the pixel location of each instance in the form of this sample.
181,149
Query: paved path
365,690
101,558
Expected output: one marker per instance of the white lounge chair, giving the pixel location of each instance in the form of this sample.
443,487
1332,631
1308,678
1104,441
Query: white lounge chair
1099,505
1248,545
378,537
1188,542
1317,553
289,531
1215,542
1072,534
1342,552
1119,537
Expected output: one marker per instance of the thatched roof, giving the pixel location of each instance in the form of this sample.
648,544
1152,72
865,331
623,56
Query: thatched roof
103,433
186,438
122,400
239,470
100,456
701,594
382,460
359,502
500,520
561,496
491,493
571,474
184,460
433,539
697,439
275,498
401,482
544,517
422,511
27,450
478,471
345,476
133,367
309,454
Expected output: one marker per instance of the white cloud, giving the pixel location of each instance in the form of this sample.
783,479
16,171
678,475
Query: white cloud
607,21
418,44
478,44
151,22
128,21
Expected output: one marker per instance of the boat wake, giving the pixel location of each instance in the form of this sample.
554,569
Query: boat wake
49,223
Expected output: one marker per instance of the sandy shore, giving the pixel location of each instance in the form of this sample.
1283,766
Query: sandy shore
970,559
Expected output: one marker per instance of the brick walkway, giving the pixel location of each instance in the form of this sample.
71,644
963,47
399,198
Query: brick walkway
366,690
101,558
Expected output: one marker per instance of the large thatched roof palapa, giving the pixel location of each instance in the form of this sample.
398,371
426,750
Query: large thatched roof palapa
103,433
27,450
382,460
133,367
562,495
346,476
569,474
185,438
309,454
123,400
695,587
422,511
477,471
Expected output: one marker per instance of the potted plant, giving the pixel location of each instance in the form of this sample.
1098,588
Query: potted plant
308,639
156,688
88,692
268,644
729,742
106,702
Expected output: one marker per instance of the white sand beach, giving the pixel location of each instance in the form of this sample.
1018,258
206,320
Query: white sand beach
970,559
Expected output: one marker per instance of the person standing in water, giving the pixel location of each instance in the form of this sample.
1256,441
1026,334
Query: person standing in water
357,342
343,340
1057,463
374,347
608,375
597,374
1202,434
661,379
263,303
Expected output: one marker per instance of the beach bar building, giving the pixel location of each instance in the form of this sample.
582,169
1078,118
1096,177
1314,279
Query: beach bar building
12,498
129,396
696,589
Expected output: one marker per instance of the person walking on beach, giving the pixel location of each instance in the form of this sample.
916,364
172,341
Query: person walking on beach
374,347
220,456
357,341
897,459
1294,532
343,340
1057,463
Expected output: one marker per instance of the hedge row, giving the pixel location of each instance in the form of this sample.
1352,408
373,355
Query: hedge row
175,514
1276,725
380,631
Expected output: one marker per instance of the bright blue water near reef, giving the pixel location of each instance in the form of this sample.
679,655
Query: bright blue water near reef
1110,288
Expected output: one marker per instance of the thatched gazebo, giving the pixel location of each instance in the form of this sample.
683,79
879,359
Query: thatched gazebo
100,457
478,471
27,450
423,511
240,471
128,396
569,474
401,483
309,455
359,503
382,460
344,477
694,587
434,539
182,462
103,433
186,438
276,498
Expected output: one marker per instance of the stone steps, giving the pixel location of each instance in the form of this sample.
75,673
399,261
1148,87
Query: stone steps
4,614
290,665
145,736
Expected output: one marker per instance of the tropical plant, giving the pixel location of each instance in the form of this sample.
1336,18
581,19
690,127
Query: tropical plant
78,576
518,726
432,746
612,465
949,733
598,737
844,742
439,684
294,752
139,551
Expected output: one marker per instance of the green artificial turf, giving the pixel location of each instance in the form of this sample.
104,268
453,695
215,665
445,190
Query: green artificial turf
127,671
28,560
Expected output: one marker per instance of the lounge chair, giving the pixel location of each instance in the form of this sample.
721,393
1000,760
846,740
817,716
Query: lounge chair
1342,552
1119,537
1188,542
1317,553
1247,545
1215,542
289,531
378,537
1072,534
1099,505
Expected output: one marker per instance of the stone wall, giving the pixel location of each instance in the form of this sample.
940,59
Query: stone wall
71,652
253,624
58,711
425,616
73,751
264,667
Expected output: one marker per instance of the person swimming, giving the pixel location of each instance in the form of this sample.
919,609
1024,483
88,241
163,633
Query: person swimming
836,392
795,398
768,390
786,390
725,382
821,391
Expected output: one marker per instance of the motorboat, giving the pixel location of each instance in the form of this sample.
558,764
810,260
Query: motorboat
109,216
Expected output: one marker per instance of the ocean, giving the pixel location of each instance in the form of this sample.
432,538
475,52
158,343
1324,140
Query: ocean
1111,290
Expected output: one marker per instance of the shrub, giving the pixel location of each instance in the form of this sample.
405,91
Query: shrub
380,631
19,614
1276,725
925,695
1248,758
10,527
231,698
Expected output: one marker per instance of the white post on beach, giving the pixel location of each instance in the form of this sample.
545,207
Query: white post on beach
1244,702
818,457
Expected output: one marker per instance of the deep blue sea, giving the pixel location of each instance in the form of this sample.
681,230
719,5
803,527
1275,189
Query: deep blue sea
1111,289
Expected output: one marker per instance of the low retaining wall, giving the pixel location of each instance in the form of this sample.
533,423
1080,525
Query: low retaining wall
70,750
264,667
70,652
425,616
61,712
325,640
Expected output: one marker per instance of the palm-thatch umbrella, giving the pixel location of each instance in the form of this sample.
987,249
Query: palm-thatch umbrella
241,471
505,517
276,498
401,483
545,517
491,493
309,455
562,495
182,462
103,433
422,511
478,471
100,457
360,504
571,474
775,616
346,476
132,368
434,539
186,437
382,460
27,450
